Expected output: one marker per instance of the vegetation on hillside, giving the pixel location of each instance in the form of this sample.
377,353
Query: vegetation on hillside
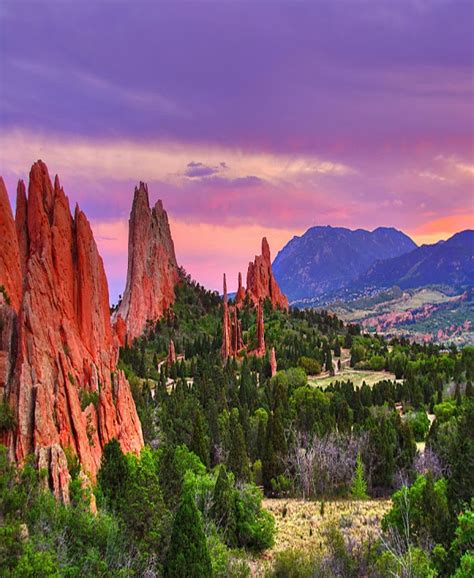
219,436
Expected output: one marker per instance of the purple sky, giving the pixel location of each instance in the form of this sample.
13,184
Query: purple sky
246,118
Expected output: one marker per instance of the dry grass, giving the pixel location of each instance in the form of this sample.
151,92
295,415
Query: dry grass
357,376
299,524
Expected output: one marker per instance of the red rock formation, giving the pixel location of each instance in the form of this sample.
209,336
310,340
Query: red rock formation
240,295
171,354
261,349
261,284
152,269
232,341
273,362
65,344
10,273
226,349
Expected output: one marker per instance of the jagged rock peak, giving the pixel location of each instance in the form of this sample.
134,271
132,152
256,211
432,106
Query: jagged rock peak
261,284
63,339
10,271
152,268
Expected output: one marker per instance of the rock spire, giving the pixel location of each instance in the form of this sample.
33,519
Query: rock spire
152,268
261,284
63,386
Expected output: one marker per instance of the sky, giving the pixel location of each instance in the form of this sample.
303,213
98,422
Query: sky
246,118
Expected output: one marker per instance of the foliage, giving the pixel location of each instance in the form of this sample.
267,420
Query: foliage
359,485
188,554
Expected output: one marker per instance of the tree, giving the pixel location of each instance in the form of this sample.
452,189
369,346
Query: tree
188,554
359,485
238,460
199,443
223,507
143,508
113,474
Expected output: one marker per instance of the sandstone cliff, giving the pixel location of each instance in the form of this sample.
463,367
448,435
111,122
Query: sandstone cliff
65,388
152,269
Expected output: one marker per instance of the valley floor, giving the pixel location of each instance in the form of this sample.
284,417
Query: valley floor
301,524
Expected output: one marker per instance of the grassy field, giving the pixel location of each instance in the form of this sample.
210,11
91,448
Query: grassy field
300,525
357,376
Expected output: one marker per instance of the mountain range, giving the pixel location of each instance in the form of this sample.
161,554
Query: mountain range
330,260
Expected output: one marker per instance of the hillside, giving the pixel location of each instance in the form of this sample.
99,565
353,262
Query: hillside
325,259
446,262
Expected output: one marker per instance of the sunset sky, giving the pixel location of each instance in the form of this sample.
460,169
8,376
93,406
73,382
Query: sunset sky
246,118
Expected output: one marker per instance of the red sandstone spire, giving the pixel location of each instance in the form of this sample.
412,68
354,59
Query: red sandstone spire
261,284
10,271
240,295
63,338
273,362
260,330
171,354
152,268
226,349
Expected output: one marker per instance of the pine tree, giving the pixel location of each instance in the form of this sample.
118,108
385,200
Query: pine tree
238,461
359,485
113,473
223,507
199,443
188,554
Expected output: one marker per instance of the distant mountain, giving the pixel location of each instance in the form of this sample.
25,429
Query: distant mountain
448,262
325,259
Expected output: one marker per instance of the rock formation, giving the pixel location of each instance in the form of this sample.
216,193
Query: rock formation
232,341
10,272
240,295
171,354
273,362
261,349
152,268
64,387
261,284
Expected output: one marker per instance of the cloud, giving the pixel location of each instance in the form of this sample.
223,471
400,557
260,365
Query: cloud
200,170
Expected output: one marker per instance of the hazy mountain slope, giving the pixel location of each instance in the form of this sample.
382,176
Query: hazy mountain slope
448,262
327,258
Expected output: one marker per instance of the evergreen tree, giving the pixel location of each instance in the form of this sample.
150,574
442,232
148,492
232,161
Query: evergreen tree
199,444
238,461
359,485
113,474
188,554
223,510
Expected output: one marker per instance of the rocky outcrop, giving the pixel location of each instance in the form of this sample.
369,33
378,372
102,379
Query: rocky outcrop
240,295
232,340
10,273
152,268
171,354
64,388
273,362
261,349
261,284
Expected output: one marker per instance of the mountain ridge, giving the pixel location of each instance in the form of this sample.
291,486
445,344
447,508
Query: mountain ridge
326,258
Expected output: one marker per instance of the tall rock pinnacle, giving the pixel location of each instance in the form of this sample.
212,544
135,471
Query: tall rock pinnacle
261,284
10,272
65,352
152,268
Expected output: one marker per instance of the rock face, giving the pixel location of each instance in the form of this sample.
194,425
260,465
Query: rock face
152,268
64,387
261,284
